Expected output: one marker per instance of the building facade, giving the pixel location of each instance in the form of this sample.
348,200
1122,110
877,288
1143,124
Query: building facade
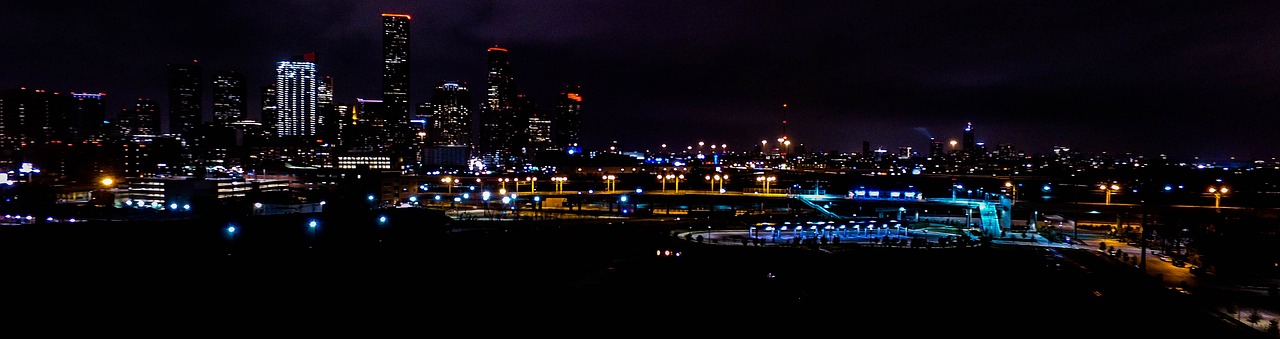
229,97
296,98
185,98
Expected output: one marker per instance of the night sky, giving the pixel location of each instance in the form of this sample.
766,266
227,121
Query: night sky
1182,78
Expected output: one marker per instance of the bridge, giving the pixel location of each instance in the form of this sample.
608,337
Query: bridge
992,215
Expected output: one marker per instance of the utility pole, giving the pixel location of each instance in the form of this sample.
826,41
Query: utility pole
1142,223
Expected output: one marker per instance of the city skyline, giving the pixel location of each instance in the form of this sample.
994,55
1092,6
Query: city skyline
1148,78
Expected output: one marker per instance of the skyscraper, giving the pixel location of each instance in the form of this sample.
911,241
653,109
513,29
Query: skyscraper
968,146
538,133
450,114
269,109
229,95
296,95
34,116
501,125
330,115
141,119
568,118
935,148
185,97
395,67
88,114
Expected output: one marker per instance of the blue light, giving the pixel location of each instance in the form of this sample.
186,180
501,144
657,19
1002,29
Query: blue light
437,197
382,219
1168,188
370,197
413,199
186,207
506,200
173,206
313,224
639,190
1046,188
537,198
623,198
231,229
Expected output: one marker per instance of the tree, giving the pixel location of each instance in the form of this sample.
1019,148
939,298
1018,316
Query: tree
1254,317
1273,327
1102,245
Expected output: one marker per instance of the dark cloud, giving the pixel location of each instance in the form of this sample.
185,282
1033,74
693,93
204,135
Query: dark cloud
1187,78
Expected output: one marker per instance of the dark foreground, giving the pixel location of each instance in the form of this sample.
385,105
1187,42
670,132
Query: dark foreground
414,274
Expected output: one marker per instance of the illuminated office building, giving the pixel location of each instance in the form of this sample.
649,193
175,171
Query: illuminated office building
296,97
229,95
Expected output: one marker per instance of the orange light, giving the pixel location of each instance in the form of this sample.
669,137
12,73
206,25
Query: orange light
496,48
406,16
574,97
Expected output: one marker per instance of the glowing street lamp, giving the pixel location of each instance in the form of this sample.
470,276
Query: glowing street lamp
1108,189
717,178
559,181
106,182
765,180
450,181
610,181
1217,192
1014,188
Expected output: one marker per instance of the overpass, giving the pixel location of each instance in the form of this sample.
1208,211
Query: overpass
992,214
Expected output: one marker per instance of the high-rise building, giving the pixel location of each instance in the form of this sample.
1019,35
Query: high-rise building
568,118
368,128
501,125
185,97
296,97
968,146
328,128
395,67
143,119
229,97
935,148
450,114
88,116
538,132
905,152
34,116
269,109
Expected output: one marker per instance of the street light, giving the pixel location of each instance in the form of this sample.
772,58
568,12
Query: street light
559,181
450,181
1108,189
1013,198
717,178
765,180
532,184
311,226
231,237
610,181
1217,192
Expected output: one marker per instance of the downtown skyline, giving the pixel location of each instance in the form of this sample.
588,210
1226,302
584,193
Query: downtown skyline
1134,77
